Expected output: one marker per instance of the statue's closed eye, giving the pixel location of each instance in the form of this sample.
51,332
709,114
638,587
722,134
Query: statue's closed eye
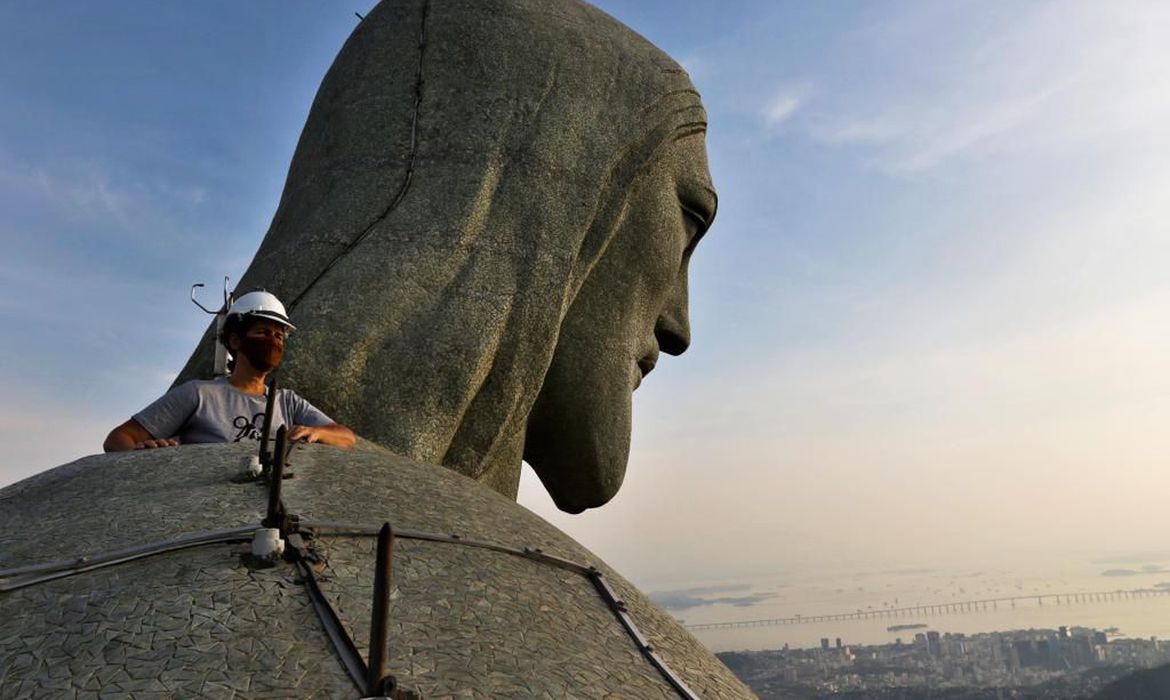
697,223
698,202
699,220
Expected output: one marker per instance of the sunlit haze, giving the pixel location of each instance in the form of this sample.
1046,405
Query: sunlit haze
930,323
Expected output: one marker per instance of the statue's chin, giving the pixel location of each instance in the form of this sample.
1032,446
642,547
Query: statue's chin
577,495
582,473
583,499
578,434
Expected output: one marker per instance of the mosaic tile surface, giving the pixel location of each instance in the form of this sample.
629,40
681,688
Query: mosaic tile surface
465,622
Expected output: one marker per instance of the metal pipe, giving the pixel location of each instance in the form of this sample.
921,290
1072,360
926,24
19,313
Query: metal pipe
376,679
265,458
275,517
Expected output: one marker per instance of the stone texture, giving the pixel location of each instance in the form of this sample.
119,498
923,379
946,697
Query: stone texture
465,622
507,275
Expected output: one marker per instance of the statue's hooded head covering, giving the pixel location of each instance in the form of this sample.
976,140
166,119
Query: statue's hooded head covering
483,237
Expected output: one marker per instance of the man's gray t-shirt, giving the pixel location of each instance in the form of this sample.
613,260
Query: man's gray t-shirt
215,411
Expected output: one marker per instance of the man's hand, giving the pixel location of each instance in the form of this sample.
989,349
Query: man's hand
304,433
332,434
132,436
150,444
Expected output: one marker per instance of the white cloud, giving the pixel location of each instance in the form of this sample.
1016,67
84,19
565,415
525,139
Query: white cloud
1060,76
964,134
90,190
856,131
190,196
79,189
783,106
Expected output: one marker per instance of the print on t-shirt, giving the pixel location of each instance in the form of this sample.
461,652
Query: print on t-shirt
246,429
212,410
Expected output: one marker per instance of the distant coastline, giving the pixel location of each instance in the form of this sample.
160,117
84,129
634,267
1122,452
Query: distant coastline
1150,569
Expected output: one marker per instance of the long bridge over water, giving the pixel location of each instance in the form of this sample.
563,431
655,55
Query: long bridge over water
952,608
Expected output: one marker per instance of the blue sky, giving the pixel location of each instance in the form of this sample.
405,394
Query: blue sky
935,291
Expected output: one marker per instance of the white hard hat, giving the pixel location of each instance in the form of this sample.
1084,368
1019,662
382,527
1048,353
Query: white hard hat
261,304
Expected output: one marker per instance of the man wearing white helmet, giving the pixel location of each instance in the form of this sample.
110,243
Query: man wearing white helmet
231,409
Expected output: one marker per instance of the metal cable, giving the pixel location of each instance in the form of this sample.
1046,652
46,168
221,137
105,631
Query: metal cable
354,530
618,607
346,649
24,576
405,186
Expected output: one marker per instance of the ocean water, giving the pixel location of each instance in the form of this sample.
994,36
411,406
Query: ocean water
824,593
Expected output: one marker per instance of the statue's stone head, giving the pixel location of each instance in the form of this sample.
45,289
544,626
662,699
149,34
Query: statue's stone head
484,237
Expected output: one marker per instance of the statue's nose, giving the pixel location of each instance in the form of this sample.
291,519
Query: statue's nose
673,328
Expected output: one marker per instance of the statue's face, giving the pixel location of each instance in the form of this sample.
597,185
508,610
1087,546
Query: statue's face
631,307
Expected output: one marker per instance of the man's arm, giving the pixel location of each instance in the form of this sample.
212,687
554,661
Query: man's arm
333,434
164,417
132,436
310,424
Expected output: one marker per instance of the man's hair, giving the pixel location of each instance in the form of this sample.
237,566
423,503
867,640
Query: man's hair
237,324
